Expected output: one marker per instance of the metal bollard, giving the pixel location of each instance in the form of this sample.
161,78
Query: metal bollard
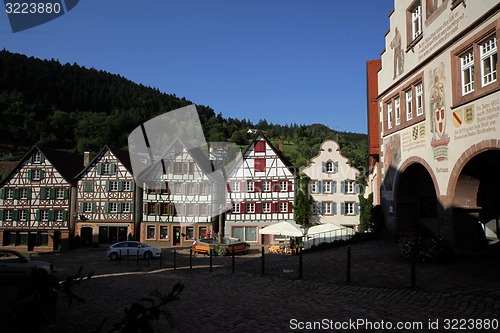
263,264
175,259
300,264
210,260
348,272
190,259
232,257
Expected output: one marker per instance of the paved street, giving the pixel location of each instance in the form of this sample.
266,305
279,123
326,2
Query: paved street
245,301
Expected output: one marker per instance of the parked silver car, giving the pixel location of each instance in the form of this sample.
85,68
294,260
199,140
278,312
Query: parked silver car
119,250
16,266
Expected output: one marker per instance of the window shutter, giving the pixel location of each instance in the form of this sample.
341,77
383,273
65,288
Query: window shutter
356,208
131,207
320,207
119,207
42,174
2,193
342,208
106,207
112,168
94,207
80,205
334,186
132,186
99,169
108,186
243,207
228,187
342,186
65,193
323,166
65,215
51,215
52,193
43,193
42,158
290,206
320,186
334,208
38,215
30,160
1,214
336,167
15,214
30,191
356,188
28,215
258,207
120,186
30,174
145,209
289,186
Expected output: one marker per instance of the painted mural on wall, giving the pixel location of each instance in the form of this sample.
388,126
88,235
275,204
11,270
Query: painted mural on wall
433,8
392,158
399,55
476,119
438,113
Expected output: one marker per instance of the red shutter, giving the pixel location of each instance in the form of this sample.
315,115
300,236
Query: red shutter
275,186
273,207
258,207
243,207
257,187
290,186
290,203
228,186
260,146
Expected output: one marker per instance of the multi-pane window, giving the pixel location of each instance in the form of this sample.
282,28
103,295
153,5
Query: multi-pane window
250,186
266,207
250,207
327,186
8,215
151,208
9,193
349,208
416,20
314,186
106,168
327,207
389,115
24,193
418,99
44,215
113,207
489,57
127,186
59,215
235,187
467,68
235,208
22,215
266,186
408,98
37,157
349,186
178,168
87,207
60,193
283,186
36,174
397,109
283,207
329,166
126,207
113,186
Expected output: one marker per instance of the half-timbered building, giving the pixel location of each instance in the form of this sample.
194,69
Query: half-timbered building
333,187
105,207
36,200
261,192
178,198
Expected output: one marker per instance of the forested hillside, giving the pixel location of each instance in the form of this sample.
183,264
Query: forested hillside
68,106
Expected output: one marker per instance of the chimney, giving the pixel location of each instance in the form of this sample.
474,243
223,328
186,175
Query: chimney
86,158
280,145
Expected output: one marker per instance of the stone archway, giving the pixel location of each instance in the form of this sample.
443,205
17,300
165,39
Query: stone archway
476,200
416,199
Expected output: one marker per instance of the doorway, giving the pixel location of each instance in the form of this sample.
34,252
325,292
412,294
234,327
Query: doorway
177,235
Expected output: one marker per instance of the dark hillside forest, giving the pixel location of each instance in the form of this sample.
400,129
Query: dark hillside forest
69,106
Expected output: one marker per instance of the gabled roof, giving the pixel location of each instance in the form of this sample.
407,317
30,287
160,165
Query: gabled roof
122,156
68,164
6,168
293,169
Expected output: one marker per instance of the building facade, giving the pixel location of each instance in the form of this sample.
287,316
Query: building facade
439,119
178,202
36,200
261,192
333,187
106,199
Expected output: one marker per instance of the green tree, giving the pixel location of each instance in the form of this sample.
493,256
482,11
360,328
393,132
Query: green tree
365,212
303,201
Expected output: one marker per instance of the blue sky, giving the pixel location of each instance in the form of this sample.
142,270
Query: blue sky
286,61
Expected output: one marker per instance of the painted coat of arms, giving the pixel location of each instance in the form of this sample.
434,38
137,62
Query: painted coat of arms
438,115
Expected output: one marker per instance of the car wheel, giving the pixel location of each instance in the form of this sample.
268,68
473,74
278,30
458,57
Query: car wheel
148,255
113,256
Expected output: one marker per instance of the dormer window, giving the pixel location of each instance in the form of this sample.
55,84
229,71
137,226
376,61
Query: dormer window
37,157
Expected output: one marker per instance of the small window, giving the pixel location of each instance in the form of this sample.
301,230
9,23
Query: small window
389,115
127,186
126,207
9,193
283,186
408,98
349,208
327,186
113,186
416,20
250,186
329,166
163,232
418,99
314,186
235,187
397,109
266,207
87,207
24,193
250,207
489,57
37,157
59,215
60,193
44,215
283,207
266,186
150,231
235,208
113,207
467,67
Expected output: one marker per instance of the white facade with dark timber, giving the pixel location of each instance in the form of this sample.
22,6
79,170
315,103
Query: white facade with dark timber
106,205
333,187
178,205
261,192
36,200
